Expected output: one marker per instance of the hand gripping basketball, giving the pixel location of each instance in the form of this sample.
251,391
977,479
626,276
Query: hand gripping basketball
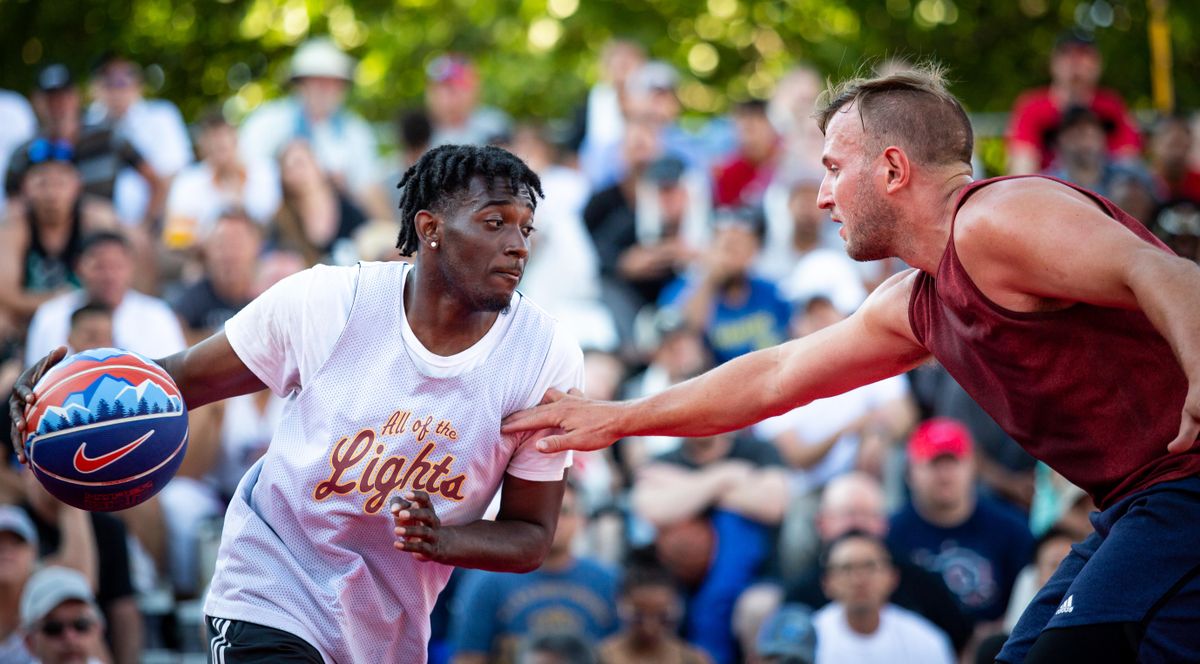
22,397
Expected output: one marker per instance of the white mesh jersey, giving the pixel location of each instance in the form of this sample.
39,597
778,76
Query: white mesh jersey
307,542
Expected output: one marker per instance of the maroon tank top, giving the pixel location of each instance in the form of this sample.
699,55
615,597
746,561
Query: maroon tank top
1095,392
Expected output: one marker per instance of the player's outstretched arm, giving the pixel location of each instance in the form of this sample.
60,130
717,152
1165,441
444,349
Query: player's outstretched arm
517,541
210,371
1077,253
874,343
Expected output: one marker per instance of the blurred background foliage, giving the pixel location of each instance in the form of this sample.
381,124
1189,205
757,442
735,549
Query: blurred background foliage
538,57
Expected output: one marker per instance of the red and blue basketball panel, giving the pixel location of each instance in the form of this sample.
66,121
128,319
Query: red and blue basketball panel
108,431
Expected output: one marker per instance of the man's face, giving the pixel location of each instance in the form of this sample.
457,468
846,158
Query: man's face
118,87
67,635
1049,556
231,256
806,216
1076,65
755,134
321,96
57,107
640,144
851,192
673,204
944,482
739,245
859,575
1083,144
861,511
218,145
651,611
106,271
17,558
93,330
1172,143
452,101
485,242
52,188
818,315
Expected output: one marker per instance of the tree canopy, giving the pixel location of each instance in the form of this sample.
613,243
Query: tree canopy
537,57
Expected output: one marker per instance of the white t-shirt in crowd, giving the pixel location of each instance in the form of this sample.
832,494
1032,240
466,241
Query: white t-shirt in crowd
344,145
141,323
903,637
817,421
195,196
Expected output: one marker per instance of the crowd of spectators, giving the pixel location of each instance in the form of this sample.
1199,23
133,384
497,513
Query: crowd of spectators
893,521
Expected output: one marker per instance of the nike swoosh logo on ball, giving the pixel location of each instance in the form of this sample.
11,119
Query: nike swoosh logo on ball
86,464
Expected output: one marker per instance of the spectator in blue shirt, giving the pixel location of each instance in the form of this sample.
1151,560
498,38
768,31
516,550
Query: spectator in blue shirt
494,611
737,312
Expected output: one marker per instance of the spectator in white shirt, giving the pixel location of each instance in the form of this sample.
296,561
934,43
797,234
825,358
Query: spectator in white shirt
141,323
153,126
859,625
452,97
222,181
315,112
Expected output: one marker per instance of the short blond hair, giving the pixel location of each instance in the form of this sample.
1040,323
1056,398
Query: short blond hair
911,108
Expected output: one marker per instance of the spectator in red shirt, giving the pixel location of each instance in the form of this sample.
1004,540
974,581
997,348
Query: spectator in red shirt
742,178
1075,66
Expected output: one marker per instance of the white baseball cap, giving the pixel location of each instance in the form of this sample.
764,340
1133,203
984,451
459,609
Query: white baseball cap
13,519
50,587
320,57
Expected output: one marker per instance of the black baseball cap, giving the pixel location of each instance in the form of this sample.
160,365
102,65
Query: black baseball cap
665,171
54,77
1074,39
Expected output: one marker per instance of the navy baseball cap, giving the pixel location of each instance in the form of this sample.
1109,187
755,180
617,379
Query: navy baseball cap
1073,39
54,77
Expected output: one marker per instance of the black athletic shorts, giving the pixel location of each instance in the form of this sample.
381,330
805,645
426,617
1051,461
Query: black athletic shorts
239,642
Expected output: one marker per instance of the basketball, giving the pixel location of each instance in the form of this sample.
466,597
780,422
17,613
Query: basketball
108,430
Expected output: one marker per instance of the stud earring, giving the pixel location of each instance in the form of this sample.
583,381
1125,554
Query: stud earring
433,244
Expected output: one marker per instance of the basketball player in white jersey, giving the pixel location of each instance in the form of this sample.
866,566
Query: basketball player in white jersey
397,378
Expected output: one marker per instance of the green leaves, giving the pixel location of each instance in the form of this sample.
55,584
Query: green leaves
538,57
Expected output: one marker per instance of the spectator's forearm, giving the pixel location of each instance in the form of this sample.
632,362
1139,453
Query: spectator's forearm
126,630
77,548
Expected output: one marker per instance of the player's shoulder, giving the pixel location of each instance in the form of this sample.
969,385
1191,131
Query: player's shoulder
1006,207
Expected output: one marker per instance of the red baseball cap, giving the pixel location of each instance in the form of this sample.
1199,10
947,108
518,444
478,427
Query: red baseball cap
937,437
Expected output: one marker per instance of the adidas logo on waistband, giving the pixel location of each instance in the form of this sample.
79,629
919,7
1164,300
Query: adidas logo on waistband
1067,606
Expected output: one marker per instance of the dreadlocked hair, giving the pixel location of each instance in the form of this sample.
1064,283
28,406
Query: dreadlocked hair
446,171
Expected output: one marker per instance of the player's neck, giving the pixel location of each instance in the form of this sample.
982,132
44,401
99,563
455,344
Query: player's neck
928,235
443,322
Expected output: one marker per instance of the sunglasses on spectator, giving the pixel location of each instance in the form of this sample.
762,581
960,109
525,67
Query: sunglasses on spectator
55,628
42,150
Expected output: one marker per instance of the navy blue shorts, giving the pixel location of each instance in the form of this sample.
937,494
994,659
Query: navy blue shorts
1142,565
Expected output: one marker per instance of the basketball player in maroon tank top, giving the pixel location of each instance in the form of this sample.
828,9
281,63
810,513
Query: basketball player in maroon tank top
1069,323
